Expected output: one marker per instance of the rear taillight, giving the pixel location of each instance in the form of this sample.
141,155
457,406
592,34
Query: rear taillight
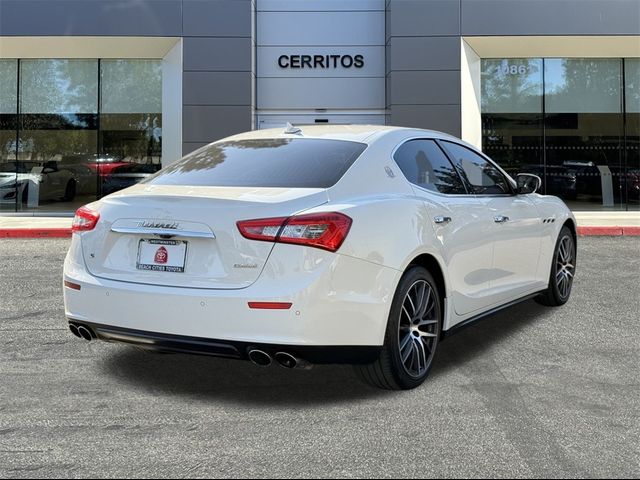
85,220
320,230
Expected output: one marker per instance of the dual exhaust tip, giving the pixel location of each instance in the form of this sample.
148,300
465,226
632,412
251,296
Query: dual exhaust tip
284,359
82,332
258,357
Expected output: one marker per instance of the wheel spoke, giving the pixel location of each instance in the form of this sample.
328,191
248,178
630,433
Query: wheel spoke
428,335
427,314
413,307
420,300
409,317
422,356
404,351
563,285
566,249
564,266
415,361
425,302
425,342
418,328
423,323
404,341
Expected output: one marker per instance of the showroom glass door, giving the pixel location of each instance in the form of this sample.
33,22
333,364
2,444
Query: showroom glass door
632,129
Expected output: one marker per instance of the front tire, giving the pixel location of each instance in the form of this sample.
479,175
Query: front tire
563,270
412,335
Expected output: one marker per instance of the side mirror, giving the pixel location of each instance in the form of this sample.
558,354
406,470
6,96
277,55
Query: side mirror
528,183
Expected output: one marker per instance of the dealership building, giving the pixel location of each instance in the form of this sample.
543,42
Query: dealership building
98,94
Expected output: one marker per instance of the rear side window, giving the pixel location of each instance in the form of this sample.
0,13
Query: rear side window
425,164
274,162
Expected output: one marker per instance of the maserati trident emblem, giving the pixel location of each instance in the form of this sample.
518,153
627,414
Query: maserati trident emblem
389,172
162,256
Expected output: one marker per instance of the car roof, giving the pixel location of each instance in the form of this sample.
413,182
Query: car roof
354,133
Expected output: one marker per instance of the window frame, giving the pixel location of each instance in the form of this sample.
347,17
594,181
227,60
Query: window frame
455,169
507,178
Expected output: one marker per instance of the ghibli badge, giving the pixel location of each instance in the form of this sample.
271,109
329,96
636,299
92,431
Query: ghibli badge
159,225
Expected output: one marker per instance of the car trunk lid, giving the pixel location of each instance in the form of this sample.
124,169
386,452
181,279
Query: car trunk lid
181,236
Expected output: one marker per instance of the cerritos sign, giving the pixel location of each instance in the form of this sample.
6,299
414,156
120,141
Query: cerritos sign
321,61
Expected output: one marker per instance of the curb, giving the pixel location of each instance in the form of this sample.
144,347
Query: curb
616,231
608,231
35,232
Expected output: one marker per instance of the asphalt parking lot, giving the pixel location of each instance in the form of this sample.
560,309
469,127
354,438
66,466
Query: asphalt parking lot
531,392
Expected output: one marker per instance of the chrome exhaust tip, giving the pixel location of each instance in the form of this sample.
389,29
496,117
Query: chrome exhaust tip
260,358
287,360
85,333
74,330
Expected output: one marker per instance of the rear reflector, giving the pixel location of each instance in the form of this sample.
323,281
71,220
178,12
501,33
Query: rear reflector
85,220
320,230
72,286
270,305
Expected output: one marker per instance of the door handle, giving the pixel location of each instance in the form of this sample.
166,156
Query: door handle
441,219
500,219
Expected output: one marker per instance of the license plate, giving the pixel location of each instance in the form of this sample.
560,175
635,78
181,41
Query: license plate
162,255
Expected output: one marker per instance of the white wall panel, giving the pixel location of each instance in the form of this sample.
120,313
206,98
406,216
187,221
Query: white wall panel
320,28
280,120
304,29
314,93
319,5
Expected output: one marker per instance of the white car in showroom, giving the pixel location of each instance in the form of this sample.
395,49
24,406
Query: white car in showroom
44,181
362,245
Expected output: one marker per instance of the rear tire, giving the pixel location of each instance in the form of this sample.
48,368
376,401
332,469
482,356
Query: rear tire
412,335
69,191
563,269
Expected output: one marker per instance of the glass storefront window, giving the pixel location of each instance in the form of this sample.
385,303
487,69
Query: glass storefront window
512,117
57,130
72,130
583,127
8,128
632,132
130,122
567,121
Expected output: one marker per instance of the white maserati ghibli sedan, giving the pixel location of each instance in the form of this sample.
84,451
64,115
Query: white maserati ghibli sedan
362,245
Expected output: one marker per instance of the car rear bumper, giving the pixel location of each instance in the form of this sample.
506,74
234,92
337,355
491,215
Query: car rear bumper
316,354
337,301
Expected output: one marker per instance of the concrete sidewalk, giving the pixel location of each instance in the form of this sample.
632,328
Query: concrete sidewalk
589,223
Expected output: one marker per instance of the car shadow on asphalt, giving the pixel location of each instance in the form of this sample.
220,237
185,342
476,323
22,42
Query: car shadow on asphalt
470,343
241,382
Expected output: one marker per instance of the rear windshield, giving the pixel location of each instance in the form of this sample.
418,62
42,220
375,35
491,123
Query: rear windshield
291,163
